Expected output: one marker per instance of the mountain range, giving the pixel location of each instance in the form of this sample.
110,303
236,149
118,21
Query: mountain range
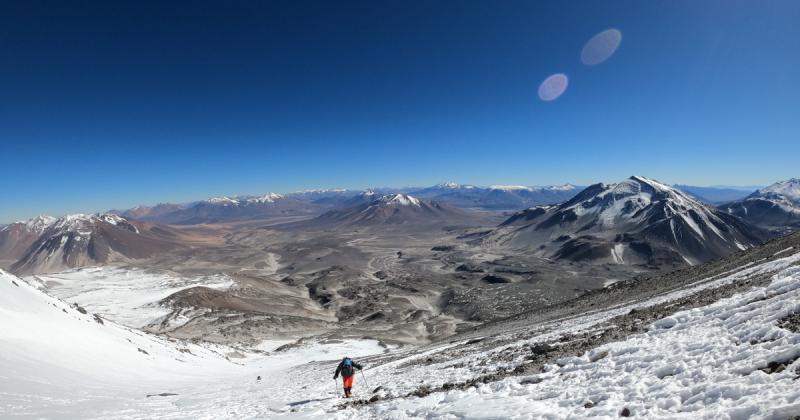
639,221
314,202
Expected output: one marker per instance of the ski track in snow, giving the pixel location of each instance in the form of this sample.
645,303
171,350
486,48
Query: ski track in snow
698,363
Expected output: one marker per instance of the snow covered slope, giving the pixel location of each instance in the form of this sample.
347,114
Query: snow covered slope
53,354
776,206
637,221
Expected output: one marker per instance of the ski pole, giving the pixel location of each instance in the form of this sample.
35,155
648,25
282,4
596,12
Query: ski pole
336,386
364,378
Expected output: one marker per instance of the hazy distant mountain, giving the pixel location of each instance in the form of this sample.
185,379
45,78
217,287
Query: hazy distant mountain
637,221
776,206
82,240
714,195
393,209
497,197
229,209
152,213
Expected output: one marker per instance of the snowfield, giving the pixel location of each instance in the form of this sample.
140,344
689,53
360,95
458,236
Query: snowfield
129,296
735,358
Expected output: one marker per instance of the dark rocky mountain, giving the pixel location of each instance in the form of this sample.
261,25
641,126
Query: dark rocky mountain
714,195
393,209
85,240
637,221
775,207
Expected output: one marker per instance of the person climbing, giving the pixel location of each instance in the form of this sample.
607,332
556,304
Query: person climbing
347,367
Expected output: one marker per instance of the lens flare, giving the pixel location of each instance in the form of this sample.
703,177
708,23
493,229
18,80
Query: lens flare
553,87
601,47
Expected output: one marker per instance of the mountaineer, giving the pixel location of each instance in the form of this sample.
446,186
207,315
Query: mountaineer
347,367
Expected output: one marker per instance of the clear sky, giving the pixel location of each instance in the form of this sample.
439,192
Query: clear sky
112,104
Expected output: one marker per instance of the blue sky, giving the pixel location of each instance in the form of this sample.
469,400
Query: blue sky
112,104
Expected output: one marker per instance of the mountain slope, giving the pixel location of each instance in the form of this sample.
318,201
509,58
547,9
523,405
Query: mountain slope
81,240
637,221
776,206
16,238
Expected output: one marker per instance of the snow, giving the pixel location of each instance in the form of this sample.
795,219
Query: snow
622,202
789,189
240,200
565,187
401,199
454,186
225,201
268,198
75,222
36,224
322,191
56,362
510,188
39,223
127,296
54,358
617,253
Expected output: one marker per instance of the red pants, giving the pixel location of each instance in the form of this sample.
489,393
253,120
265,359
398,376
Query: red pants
347,381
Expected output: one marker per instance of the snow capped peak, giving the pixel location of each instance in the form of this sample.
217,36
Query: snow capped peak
368,193
624,201
239,200
36,224
39,223
789,189
400,199
448,185
323,190
76,222
268,198
658,186
72,221
565,187
223,200
510,188
111,218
